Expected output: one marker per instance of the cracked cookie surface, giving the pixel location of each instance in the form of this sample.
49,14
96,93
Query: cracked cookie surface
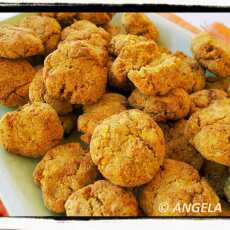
18,42
63,170
212,53
46,28
30,131
128,148
177,183
15,78
75,72
173,106
101,199
208,130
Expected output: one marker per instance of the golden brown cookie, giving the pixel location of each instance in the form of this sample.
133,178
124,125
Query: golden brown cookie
216,175
140,24
178,147
132,57
62,171
212,53
112,29
168,72
208,130
203,98
175,185
15,78
75,73
119,41
84,26
98,18
46,28
93,115
37,93
64,18
30,131
218,83
172,106
101,199
128,148
18,42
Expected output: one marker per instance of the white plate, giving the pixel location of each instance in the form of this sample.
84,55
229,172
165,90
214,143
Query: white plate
17,190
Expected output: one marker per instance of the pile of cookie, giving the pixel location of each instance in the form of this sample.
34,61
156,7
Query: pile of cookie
155,131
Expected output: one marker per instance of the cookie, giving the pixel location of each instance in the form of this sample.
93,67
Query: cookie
62,171
30,131
101,199
19,42
177,184
172,106
15,78
93,115
46,28
212,53
128,148
98,18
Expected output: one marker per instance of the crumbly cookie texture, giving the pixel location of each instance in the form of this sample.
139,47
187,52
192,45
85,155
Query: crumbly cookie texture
128,148
37,93
30,131
19,42
46,28
84,26
178,147
108,105
101,199
140,24
212,53
177,184
168,72
208,131
132,57
218,83
172,106
98,18
203,98
75,73
119,41
62,171
15,78
64,18
216,175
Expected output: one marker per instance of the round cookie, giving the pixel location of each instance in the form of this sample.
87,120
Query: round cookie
212,53
75,73
208,130
46,28
132,57
177,184
62,171
128,148
37,93
140,24
101,199
119,41
168,72
98,18
15,78
108,105
30,131
203,98
178,147
18,42
172,106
